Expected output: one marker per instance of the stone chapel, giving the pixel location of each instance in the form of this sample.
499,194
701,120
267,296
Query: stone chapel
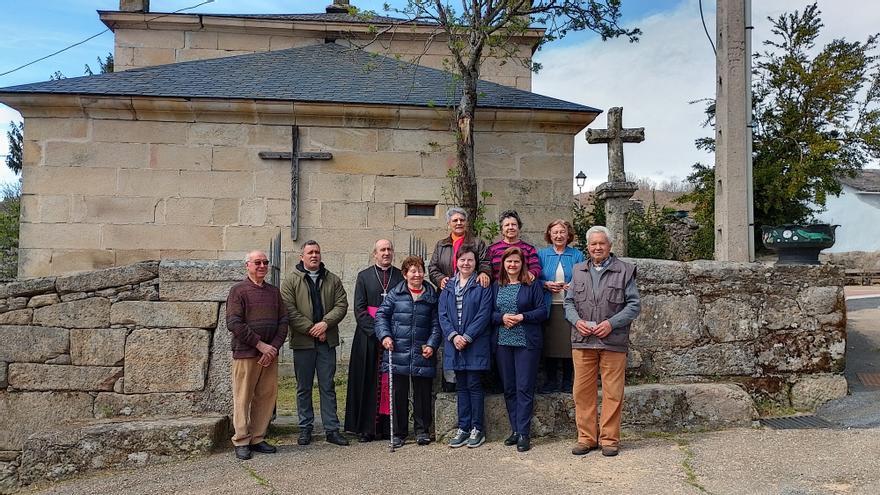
185,151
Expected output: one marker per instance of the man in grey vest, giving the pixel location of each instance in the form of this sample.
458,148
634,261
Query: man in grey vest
602,302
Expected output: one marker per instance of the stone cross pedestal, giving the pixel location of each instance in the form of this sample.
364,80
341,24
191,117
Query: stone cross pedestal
617,191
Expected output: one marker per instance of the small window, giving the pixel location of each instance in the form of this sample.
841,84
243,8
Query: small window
421,210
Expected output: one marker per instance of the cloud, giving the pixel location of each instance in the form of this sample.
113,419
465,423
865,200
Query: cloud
654,81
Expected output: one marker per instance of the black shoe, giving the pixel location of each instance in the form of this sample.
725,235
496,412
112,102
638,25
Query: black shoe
336,438
305,436
523,444
365,438
397,442
512,439
263,448
243,452
423,439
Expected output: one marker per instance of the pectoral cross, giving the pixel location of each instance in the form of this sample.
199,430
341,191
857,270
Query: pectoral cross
294,156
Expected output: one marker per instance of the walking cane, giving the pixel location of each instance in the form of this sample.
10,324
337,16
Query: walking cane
391,400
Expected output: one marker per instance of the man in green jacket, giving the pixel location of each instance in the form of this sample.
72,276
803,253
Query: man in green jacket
316,303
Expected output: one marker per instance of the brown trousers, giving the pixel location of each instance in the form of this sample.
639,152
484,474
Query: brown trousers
254,389
588,364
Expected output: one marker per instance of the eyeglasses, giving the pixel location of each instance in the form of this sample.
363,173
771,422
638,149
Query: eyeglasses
260,262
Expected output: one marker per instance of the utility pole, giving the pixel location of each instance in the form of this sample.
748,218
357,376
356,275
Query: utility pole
734,215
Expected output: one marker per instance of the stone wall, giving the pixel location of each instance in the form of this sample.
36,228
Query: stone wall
853,260
102,192
106,344
780,331
148,341
118,187
186,38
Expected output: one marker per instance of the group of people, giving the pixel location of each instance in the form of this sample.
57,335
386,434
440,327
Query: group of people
485,309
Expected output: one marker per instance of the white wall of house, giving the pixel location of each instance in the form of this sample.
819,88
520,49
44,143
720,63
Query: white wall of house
858,214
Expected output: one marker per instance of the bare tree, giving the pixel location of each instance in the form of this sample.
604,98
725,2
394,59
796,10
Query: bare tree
480,29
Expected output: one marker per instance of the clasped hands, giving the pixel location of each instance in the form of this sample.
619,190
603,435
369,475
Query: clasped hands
601,330
388,344
556,287
269,354
319,331
510,320
482,279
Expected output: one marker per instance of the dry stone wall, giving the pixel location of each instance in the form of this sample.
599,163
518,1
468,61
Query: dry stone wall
767,327
149,341
105,344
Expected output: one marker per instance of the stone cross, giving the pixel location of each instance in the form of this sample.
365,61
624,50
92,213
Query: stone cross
615,135
294,156
617,191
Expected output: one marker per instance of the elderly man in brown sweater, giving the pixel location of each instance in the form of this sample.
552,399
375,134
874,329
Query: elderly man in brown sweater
257,318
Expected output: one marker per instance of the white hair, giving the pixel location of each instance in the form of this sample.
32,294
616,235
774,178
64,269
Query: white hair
598,229
455,210
247,257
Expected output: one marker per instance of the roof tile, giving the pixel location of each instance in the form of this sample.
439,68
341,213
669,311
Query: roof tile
325,73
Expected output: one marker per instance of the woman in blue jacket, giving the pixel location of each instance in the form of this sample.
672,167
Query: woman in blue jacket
557,261
407,326
518,312
465,311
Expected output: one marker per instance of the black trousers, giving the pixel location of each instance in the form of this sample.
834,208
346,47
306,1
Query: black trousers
423,413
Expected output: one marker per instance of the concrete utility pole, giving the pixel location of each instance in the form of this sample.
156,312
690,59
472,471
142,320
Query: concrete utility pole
734,217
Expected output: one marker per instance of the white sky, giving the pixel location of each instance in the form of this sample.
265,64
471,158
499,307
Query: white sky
653,80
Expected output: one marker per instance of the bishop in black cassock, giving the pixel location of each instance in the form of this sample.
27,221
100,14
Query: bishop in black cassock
362,400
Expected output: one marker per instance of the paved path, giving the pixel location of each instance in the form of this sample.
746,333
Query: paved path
861,408
753,461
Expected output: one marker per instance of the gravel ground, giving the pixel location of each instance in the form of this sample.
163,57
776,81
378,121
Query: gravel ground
753,461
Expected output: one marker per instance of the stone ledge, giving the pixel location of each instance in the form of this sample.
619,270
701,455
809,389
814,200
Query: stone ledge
165,314
27,287
108,277
201,270
651,407
63,453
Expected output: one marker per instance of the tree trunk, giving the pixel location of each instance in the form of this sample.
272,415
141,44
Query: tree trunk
467,177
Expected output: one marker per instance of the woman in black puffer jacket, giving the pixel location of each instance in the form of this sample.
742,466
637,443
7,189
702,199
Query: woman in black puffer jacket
407,326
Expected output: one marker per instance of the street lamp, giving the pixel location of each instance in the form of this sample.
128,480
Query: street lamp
580,179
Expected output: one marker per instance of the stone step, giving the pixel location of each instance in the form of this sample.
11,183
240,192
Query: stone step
666,407
59,454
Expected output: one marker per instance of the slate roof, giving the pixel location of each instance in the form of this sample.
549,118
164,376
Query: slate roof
325,73
319,17
867,180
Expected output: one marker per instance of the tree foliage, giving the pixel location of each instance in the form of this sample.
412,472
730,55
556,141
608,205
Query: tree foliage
15,134
583,217
703,197
10,210
476,29
648,237
105,65
816,119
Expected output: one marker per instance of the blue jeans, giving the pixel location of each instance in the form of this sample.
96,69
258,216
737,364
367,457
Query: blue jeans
519,370
306,362
470,399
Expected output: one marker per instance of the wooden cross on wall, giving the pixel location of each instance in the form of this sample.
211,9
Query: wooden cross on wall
294,156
